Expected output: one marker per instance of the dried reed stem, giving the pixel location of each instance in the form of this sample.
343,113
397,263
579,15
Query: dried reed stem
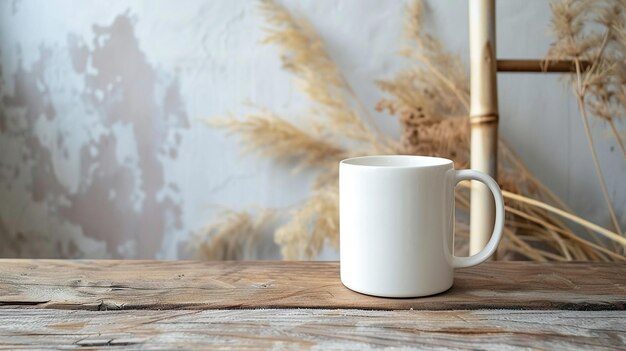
576,42
618,138
580,97
607,233
566,233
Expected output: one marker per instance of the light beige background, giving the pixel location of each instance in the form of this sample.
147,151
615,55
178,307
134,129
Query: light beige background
102,153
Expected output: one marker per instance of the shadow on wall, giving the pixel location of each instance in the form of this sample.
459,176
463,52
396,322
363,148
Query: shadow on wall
87,133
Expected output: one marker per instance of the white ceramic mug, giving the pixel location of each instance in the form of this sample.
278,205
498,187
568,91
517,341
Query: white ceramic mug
397,224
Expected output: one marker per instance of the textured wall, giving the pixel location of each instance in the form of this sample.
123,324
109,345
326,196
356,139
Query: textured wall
102,153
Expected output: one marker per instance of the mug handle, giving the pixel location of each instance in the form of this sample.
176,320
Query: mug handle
488,250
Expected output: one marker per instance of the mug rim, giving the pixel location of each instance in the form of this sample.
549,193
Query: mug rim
396,161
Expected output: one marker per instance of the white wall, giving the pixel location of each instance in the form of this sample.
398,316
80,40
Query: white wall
102,153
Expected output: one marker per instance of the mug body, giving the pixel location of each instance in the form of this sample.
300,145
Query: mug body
396,225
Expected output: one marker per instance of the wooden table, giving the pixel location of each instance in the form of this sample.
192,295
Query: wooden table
293,305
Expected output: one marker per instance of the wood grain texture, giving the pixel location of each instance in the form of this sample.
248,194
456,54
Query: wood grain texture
112,285
313,329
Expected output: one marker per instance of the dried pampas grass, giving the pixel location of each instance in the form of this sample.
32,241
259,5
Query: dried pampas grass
439,126
233,235
431,102
271,136
594,32
307,232
304,55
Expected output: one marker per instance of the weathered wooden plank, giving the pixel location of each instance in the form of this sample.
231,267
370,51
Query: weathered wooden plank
106,285
322,329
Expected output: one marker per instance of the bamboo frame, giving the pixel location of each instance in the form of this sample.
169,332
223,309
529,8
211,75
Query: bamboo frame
483,117
484,66
539,66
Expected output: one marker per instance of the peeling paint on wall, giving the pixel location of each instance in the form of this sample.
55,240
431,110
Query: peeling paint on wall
136,119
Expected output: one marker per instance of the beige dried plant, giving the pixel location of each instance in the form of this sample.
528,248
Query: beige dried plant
333,129
306,234
593,35
439,126
431,101
274,137
233,235
304,55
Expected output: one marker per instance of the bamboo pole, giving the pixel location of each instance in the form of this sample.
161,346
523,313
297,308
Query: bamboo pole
483,117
